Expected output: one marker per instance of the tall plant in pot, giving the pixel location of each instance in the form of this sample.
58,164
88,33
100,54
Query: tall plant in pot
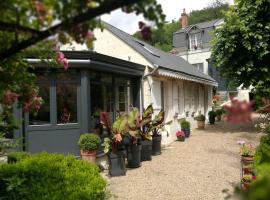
114,146
88,144
212,117
146,134
200,121
134,148
157,125
185,127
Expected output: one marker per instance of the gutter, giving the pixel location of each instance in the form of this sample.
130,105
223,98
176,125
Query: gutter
74,61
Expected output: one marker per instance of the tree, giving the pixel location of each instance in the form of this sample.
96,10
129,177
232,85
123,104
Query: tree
38,27
241,49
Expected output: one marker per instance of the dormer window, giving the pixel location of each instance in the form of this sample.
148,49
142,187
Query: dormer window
195,41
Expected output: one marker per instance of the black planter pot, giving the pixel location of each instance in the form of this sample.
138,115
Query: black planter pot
117,163
186,131
146,150
134,155
156,146
212,120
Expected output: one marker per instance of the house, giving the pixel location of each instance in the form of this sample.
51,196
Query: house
121,72
169,82
193,43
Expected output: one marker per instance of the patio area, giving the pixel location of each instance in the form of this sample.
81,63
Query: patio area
199,168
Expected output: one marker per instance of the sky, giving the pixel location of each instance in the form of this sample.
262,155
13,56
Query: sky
171,8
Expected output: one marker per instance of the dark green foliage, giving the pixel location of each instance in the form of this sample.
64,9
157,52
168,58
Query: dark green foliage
51,177
267,129
200,117
212,114
89,142
219,112
185,124
17,156
262,154
241,49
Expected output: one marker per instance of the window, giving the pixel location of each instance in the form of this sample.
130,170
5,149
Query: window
43,115
59,93
195,41
198,66
66,97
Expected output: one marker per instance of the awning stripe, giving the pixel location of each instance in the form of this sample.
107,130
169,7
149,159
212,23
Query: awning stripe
178,75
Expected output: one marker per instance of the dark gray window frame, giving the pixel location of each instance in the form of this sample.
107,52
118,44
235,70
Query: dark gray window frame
53,104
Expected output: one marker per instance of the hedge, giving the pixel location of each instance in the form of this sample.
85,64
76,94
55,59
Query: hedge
51,177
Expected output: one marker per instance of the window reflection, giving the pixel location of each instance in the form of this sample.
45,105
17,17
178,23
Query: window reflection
66,97
43,115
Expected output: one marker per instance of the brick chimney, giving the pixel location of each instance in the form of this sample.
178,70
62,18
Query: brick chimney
184,19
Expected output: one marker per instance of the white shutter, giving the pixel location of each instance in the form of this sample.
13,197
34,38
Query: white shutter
156,95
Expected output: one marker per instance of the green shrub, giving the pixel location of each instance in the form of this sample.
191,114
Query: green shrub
17,156
200,117
219,112
89,142
212,114
267,129
185,124
51,177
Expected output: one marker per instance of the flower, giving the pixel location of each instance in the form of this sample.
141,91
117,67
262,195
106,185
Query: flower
180,134
10,97
61,60
241,142
238,112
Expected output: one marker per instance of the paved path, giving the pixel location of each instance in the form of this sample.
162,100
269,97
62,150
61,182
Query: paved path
198,169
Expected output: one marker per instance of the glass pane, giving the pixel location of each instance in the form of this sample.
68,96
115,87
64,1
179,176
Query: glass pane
43,115
66,103
64,76
100,77
101,101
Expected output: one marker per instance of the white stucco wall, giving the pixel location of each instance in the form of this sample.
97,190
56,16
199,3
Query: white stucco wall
199,56
108,44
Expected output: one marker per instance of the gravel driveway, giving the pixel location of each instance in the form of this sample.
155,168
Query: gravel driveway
199,168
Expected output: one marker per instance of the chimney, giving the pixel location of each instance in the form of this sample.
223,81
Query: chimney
184,19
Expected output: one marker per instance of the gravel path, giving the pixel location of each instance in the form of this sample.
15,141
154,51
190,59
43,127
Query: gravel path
197,169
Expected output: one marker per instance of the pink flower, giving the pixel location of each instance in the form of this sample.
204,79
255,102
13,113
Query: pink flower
90,35
10,97
254,178
241,142
60,59
180,134
238,112
65,62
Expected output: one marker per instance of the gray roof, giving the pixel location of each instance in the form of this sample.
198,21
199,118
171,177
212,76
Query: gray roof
157,57
201,25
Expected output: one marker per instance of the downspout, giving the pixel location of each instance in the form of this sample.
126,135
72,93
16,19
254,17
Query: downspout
142,81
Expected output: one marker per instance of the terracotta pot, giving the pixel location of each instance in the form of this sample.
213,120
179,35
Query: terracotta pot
201,124
245,185
89,156
219,118
247,158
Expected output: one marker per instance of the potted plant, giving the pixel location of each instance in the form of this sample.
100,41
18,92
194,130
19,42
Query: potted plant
180,136
246,181
146,152
219,113
212,117
200,121
185,127
157,125
88,144
114,146
247,152
134,147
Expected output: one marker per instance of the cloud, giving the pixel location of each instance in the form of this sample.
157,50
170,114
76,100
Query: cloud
171,8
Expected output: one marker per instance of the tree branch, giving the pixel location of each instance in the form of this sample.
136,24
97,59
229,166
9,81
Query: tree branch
4,26
88,15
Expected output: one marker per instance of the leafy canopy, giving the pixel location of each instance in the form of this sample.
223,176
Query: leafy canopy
241,49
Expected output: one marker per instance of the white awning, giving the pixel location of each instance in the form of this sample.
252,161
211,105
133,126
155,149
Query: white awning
177,75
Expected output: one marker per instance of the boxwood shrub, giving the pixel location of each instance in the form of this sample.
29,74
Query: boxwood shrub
17,156
51,177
